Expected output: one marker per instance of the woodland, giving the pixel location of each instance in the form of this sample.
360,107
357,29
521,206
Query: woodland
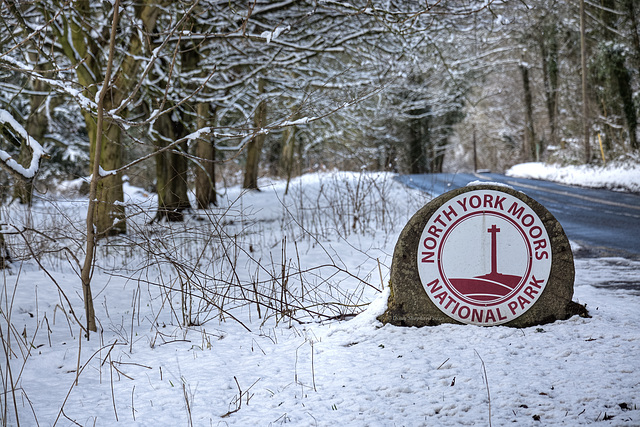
180,97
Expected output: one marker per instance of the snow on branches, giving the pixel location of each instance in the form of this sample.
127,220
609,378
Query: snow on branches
10,128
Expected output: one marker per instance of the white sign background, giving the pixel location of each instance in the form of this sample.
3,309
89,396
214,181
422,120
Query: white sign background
484,257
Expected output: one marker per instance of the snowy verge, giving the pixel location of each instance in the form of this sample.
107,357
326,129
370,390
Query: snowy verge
145,367
619,176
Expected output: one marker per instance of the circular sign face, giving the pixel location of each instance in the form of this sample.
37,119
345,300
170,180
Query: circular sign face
484,257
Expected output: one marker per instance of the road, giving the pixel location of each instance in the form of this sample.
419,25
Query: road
601,222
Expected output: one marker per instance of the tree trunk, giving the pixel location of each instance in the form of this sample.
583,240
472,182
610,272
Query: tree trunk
635,31
286,156
171,170
94,187
418,136
254,148
23,189
549,51
623,79
437,160
583,66
205,166
531,146
619,74
110,214
78,44
5,257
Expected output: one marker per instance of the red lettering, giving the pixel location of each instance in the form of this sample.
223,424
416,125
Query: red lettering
475,200
522,300
540,255
439,221
441,296
427,257
490,316
463,203
476,315
500,316
535,282
538,232
525,220
449,303
435,231
498,202
450,213
488,200
513,306
529,291
435,285
429,243
466,313
455,308
513,210
539,244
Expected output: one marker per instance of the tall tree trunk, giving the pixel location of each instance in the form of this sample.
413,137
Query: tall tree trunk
23,189
5,257
94,190
438,156
205,166
583,66
619,75
171,170
82,49
286,155
109,218
108,215
531,146
254,148
418,136
635,31
635,34
623,79
550,72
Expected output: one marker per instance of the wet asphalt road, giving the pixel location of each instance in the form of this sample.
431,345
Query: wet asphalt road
602,222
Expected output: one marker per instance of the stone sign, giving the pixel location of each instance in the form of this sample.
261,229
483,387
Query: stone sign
485,255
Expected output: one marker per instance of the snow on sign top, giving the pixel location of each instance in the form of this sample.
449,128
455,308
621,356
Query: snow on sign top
484,257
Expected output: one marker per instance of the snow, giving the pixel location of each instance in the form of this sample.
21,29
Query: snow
499,184
103,173
332,236
615,176
198,134
302,121
272,35
36,149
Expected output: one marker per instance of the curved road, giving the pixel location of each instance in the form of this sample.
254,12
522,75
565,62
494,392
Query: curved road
602,222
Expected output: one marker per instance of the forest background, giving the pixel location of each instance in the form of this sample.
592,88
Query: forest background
218,91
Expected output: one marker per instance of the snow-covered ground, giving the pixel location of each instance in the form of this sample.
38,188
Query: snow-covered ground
619,176
318,254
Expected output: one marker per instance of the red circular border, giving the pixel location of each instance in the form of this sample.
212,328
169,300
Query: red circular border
516,290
